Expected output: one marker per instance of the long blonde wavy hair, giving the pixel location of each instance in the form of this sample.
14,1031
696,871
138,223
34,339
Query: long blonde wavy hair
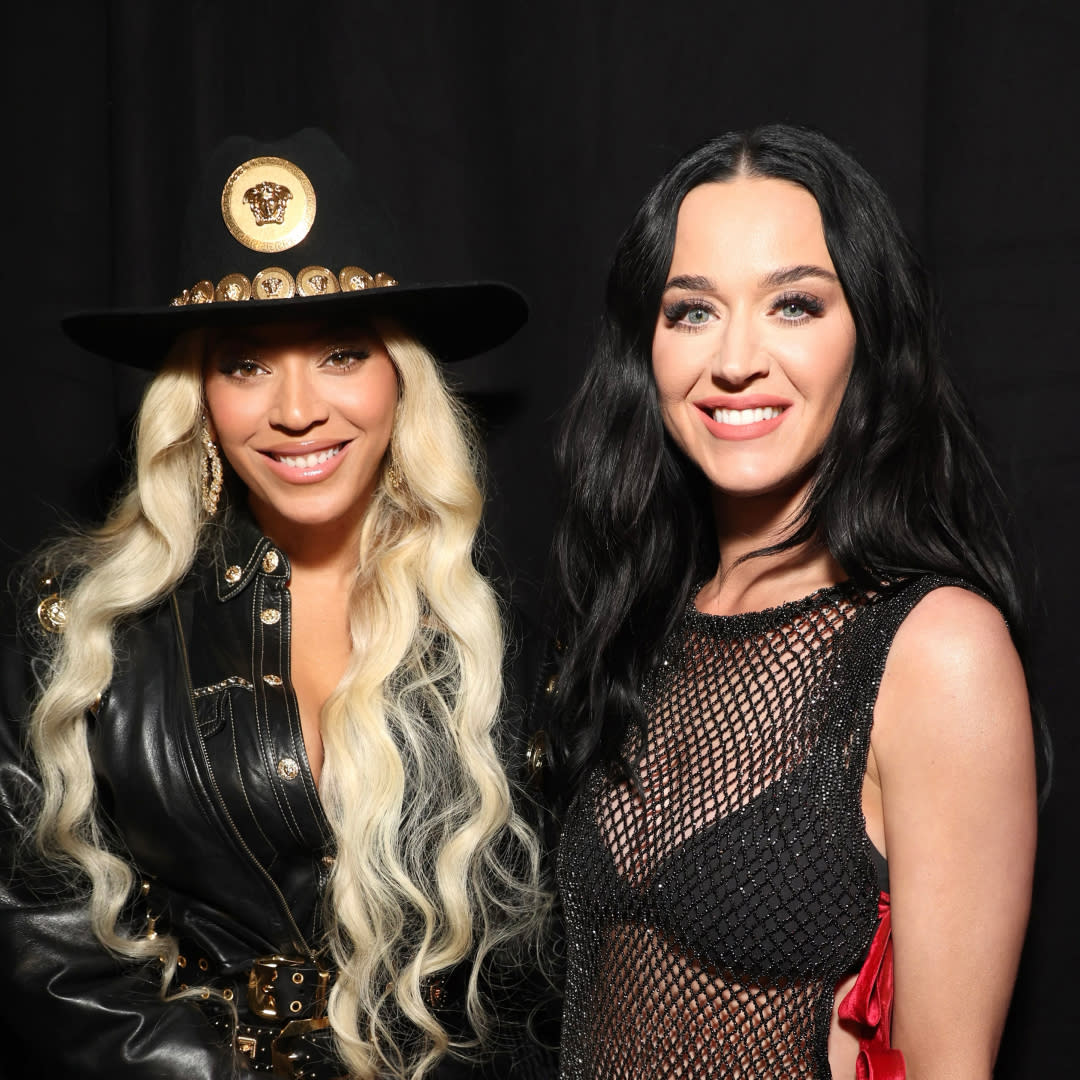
434,866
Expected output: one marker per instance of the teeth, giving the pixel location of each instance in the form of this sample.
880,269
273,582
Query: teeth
308,461
736,417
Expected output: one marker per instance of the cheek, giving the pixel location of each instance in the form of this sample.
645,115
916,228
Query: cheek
230,411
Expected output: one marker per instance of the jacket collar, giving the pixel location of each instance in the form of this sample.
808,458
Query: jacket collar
243,552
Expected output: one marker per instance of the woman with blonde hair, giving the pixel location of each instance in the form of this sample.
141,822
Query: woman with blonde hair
253,808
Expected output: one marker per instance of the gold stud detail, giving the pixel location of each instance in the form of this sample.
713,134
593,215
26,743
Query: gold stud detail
383,280
295,1006
204,964
271,561
552,685
233,574
181,961
52,613
287,768
298,977
227,993
270,615
328,861
272,680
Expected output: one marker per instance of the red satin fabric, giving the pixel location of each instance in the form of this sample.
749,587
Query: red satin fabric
869,1004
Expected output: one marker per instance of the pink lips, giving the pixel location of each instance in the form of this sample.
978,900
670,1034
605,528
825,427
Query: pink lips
305,474
741,432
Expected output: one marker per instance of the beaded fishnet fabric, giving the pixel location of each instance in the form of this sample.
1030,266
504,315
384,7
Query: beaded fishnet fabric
711,911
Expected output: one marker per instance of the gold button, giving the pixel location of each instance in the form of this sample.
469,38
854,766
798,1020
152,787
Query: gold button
272,680
271,560
536,755
233,574
270,616
287,768
52,613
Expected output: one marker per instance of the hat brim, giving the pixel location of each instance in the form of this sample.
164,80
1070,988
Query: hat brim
454,320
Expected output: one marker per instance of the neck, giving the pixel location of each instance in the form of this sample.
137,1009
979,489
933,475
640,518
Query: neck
326,550
746,525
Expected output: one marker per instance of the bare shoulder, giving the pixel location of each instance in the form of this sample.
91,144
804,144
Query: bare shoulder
953,674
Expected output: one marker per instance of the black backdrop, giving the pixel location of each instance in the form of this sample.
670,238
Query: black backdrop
516,139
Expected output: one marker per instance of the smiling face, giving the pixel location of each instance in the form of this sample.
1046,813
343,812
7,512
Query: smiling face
304,416
754,341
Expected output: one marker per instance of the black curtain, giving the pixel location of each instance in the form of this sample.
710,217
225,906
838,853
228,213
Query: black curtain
515,140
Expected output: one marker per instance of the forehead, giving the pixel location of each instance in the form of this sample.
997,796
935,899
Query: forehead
757,222
269,336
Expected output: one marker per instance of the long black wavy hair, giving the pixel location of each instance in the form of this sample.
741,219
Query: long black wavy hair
901,485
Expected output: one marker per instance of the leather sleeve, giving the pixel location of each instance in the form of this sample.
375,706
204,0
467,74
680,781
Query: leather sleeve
70,1008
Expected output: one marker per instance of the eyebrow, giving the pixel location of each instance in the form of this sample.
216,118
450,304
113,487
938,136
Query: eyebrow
786,275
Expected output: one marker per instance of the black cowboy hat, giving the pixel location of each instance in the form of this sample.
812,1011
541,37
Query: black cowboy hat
279,232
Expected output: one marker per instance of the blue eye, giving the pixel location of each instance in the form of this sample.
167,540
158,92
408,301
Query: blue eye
796,307
690,314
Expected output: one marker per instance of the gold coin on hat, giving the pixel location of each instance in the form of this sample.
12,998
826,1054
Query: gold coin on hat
273,283
233,287
202,292
268,204
316,281
354,278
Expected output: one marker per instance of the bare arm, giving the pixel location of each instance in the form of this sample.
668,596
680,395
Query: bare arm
953,749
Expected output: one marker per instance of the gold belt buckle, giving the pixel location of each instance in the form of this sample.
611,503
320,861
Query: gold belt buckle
247,1045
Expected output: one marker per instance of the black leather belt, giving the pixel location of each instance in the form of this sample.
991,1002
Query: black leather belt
285,997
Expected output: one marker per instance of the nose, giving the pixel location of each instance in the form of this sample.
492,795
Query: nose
297,404
740,355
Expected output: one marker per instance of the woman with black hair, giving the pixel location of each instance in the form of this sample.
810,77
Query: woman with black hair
792,739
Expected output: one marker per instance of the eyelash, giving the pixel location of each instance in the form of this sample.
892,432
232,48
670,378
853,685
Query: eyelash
244,369
353,356
676,312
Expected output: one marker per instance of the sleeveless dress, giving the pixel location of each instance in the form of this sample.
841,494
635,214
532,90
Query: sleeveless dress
712,907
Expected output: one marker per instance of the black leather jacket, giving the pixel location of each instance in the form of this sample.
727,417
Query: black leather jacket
203,777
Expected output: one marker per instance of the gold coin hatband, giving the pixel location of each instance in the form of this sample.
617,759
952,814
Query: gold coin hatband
276,283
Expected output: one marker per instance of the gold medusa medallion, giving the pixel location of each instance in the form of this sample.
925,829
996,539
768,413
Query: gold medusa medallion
268,204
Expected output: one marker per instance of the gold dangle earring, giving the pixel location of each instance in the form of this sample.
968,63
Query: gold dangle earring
211,477
394,476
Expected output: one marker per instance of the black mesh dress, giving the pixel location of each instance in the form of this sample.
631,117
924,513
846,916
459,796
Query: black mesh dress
710,915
